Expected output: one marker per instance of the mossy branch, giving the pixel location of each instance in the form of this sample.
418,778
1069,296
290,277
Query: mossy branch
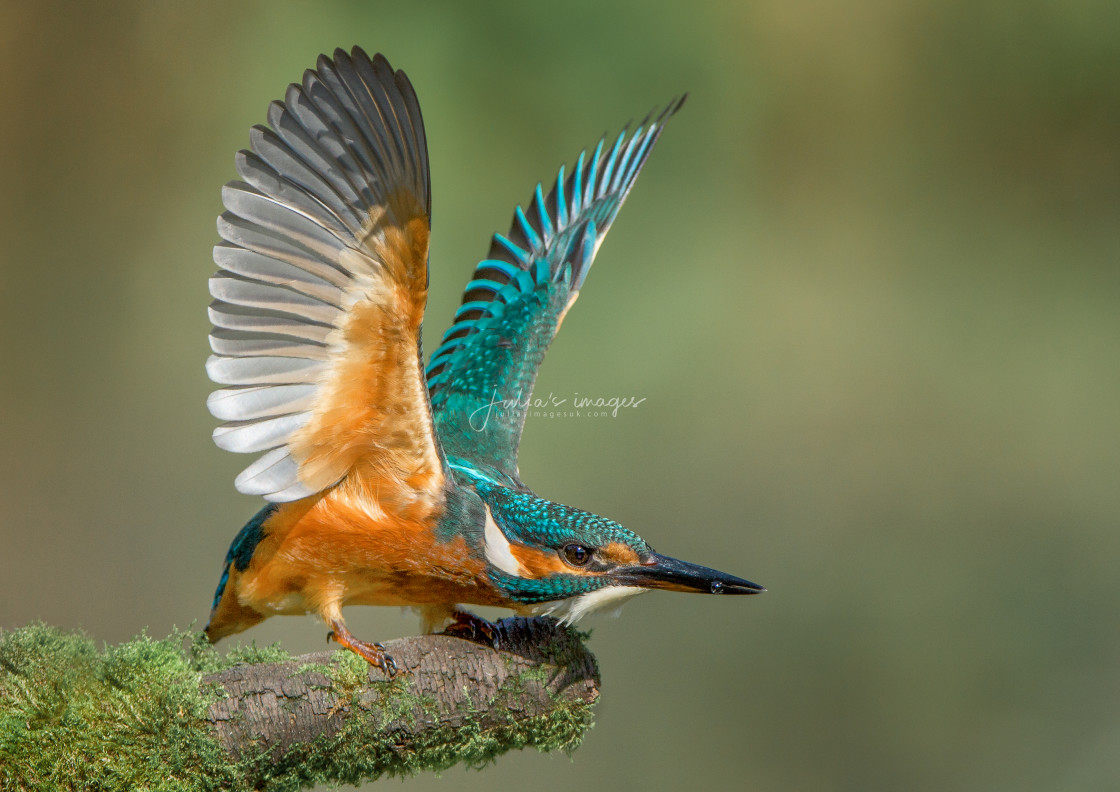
155,714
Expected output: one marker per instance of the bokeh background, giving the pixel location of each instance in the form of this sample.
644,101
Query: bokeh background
869,286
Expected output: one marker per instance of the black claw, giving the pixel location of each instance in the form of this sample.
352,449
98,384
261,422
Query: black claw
388,665
469,627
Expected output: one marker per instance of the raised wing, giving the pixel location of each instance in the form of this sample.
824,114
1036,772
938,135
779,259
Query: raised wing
321,288
481,376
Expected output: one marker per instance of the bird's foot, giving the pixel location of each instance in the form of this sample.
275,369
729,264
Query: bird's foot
473,628
372,653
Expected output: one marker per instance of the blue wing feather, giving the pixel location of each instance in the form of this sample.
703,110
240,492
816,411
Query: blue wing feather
481,376
526,229
608,168
557,199
542,212
520,255
577,184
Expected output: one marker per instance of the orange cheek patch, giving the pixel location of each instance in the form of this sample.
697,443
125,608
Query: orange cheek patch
619,553
541,563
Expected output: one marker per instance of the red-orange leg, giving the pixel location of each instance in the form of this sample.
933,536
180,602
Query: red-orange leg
372,653
473,628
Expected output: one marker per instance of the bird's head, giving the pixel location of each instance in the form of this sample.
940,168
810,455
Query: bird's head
569,562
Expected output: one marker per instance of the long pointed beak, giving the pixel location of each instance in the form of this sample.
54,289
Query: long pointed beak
662,572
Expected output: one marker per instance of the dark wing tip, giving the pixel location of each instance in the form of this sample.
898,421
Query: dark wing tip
356,54
377,60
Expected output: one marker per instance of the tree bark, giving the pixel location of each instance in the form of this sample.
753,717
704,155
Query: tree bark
452,701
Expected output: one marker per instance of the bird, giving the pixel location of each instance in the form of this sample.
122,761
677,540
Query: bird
388,482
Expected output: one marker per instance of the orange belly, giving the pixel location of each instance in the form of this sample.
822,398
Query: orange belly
320,554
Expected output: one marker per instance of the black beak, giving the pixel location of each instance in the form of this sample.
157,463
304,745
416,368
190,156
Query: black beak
662,572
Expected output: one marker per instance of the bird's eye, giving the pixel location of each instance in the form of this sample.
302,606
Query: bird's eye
576,554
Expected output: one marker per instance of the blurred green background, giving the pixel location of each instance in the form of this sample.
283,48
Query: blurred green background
869,286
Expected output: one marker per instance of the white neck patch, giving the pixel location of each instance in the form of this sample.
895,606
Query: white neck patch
498,550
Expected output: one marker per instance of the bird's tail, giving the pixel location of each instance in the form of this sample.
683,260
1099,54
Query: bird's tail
227,614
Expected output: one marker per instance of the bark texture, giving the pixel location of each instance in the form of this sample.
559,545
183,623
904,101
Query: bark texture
451,701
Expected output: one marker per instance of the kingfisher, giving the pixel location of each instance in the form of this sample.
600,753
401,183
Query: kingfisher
388,482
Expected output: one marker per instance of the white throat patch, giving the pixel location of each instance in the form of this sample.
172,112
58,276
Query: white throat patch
497,548
575,608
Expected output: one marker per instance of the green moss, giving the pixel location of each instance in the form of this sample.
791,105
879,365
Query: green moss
314,668
206,659
400,704
130,717
253,654
348,671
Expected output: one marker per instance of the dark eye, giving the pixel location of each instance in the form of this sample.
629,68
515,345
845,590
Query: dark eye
576,554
